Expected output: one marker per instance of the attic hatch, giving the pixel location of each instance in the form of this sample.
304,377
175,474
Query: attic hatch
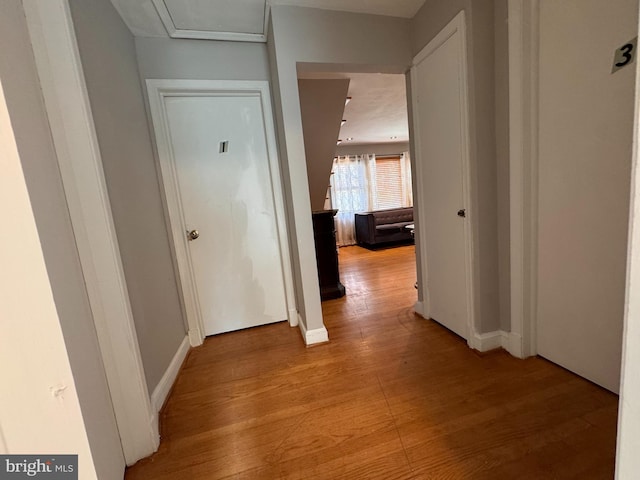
230,20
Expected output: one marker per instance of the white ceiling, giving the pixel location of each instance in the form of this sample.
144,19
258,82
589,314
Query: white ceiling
240,16
141,17
377,110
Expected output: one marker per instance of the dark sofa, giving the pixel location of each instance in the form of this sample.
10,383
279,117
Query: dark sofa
384,226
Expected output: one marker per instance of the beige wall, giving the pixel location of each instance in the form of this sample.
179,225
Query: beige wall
501,49
321,105
80,349
430,19
108,59
330,41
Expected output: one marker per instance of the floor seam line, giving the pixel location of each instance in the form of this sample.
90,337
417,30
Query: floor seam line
395,425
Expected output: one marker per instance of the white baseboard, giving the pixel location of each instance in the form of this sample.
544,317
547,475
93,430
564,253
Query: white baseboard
513,345
483,342
314,336
293,317
163,388
195,338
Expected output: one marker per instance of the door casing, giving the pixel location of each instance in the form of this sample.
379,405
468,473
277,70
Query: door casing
75,140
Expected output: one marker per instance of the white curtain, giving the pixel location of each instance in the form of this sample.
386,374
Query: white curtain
405,172
352,191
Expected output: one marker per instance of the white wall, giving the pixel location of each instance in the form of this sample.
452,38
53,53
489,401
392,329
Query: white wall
108,57
40,408
333,41
57,243
430,19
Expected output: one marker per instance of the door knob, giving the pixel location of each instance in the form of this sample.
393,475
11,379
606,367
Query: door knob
462,213
192,235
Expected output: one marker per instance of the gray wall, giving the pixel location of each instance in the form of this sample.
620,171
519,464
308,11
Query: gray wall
429,20
301,38
287,185
39,162
322,106
201,59
109,61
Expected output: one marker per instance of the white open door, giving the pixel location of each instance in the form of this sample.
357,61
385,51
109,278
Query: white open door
439,86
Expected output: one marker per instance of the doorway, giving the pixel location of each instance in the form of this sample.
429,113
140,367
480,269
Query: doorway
356,139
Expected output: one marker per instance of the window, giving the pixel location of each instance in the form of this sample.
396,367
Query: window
389,190
366,182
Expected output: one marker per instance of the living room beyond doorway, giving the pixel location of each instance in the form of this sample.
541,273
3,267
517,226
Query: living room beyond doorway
377,281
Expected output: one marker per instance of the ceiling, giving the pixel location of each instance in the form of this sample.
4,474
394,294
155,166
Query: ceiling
243,17
377,111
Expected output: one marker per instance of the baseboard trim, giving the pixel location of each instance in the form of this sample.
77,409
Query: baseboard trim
419,308
314,336
160,393
294,319
195,339
513,345
483,342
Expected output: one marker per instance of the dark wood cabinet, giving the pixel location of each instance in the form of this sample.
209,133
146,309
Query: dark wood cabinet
324,232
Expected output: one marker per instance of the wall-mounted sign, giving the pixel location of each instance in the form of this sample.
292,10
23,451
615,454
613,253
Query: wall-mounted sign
625,55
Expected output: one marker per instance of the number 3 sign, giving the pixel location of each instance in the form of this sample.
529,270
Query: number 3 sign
625,55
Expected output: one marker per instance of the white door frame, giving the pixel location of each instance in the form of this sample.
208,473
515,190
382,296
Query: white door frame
628,440
75,140
456,26
158,90
523,172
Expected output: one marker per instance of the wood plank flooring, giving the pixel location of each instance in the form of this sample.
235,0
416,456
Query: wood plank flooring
392,396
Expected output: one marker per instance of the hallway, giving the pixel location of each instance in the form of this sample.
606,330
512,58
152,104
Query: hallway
392,396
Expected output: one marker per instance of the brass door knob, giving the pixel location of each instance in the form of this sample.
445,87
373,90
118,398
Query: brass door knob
193,235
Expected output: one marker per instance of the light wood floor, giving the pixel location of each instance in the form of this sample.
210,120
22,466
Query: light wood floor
392,396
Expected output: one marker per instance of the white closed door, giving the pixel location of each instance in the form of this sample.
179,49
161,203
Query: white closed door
586,137
224,181
439,135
